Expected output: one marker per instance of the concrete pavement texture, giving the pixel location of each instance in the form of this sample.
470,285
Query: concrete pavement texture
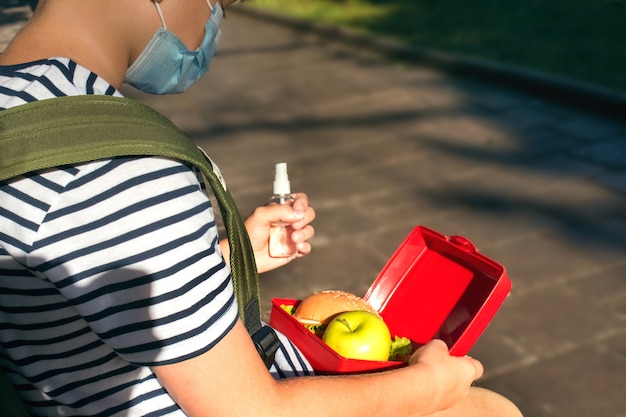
382,147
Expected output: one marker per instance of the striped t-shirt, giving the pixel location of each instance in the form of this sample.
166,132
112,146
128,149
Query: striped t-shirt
107,268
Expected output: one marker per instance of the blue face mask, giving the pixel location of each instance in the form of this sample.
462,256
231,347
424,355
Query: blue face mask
167,66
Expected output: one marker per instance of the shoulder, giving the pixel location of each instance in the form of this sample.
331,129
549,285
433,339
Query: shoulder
120,188
48,78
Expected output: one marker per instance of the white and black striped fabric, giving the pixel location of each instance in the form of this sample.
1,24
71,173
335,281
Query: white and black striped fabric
107,268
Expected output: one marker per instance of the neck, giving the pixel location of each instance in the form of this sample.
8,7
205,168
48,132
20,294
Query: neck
88,34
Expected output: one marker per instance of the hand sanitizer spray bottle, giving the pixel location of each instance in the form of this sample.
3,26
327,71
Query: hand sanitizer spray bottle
280,243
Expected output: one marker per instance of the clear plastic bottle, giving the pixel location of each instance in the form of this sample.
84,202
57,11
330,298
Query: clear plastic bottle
280,243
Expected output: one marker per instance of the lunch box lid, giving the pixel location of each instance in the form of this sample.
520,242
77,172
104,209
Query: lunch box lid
435,286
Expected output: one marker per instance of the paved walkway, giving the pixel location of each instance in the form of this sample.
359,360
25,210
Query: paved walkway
381,148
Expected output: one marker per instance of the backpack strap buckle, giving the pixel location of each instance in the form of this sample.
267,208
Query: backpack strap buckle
266,342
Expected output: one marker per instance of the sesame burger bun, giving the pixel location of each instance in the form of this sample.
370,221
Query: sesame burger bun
322,306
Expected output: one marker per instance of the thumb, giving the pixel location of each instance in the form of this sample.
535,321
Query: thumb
476,365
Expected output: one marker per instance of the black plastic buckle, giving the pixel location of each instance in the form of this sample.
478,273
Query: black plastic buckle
266,342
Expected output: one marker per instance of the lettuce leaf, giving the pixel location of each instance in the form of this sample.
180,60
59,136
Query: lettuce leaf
289,309
317,329
401,349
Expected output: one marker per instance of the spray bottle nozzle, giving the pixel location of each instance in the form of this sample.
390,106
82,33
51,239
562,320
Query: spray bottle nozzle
281,179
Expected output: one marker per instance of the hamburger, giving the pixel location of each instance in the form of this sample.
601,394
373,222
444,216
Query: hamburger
321,307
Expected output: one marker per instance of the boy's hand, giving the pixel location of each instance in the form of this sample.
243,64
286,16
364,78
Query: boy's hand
299,216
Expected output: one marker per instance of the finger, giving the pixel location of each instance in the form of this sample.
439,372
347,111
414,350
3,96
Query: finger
478,367
439,345
304,248
301,196
435,347
302,235
308,217
279,213
301,202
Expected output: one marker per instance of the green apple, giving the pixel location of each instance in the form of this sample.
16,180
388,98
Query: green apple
359,335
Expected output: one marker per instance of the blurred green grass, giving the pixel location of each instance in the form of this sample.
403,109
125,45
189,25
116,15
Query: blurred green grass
584,40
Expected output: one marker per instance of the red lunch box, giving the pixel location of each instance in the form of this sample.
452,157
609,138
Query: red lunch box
433,286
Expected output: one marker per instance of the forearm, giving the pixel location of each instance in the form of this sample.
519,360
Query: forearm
231,380
404,392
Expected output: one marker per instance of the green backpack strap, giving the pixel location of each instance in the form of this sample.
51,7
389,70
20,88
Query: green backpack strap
71,130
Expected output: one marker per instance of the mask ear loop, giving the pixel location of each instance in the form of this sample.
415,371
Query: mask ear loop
210,7
158,7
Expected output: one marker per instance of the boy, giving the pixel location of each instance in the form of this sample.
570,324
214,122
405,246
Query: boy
115,291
